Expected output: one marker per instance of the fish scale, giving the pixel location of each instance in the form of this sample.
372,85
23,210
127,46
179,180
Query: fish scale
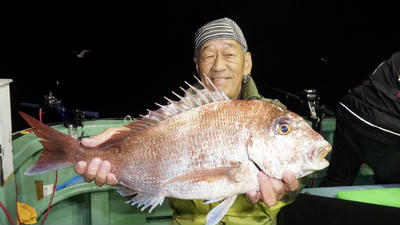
203,146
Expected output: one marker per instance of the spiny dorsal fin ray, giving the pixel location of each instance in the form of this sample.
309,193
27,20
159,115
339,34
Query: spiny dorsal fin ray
221,95
189,101
201,97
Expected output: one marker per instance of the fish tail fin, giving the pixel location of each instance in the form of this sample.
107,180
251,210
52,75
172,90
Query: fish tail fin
56,154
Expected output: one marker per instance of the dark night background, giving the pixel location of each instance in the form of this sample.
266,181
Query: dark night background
141,52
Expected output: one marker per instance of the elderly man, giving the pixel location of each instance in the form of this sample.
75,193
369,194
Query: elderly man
221,55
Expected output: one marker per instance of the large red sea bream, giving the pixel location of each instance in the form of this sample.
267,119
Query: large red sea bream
204,146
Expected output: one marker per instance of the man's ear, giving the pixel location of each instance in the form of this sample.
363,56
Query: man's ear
197,65
248,64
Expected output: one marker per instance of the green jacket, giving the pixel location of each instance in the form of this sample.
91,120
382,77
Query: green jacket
242,211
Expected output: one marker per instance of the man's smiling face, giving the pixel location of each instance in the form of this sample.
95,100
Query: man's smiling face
225,63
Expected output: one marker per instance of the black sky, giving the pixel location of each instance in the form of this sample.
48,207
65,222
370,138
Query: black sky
141,52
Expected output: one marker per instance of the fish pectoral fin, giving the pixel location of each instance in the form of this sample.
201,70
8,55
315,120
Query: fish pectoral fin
146,200
217,213
209,174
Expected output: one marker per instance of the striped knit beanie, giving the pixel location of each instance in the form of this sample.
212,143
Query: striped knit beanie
224,28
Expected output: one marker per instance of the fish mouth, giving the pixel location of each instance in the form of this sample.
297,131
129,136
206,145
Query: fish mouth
318,155
322,153
317,158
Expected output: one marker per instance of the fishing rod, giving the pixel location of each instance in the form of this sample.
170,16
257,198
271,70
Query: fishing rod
51,102
73,118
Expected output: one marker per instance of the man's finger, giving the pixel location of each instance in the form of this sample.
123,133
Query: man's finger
279,188
101,137
267,192
92,169
291,181
253,196
111,179
90,142
101,175
81,167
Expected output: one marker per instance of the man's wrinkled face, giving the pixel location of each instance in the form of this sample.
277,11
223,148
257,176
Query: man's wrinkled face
225,63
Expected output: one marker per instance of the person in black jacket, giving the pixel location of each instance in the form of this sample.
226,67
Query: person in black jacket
368,129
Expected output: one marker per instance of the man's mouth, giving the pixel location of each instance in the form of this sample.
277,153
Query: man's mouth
219,78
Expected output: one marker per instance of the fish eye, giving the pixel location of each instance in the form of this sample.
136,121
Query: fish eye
284,129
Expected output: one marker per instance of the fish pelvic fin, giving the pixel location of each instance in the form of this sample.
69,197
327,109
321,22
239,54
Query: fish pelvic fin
217,213
55,155
213,201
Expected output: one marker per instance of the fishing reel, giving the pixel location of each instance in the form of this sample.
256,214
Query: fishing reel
316,112
51,101
309,100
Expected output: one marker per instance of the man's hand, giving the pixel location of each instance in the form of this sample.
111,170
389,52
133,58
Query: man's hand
97,169
272,190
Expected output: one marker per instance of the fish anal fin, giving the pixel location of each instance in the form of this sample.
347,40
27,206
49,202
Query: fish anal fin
123,191
145,200
140,198
209,175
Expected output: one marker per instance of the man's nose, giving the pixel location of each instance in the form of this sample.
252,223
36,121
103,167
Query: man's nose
219,63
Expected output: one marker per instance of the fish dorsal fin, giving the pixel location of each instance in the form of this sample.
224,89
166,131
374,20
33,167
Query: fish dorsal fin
190,101
201,96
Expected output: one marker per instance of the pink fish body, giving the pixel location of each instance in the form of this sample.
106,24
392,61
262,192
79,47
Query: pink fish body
204,146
